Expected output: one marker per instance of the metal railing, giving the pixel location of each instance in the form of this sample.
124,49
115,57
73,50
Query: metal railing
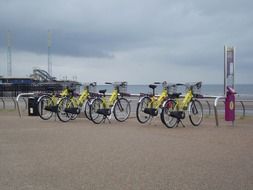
22,95
209,100
4,100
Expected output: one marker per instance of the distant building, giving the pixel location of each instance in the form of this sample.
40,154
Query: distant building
40,81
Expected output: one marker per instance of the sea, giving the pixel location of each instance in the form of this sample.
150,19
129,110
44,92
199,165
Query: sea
243,90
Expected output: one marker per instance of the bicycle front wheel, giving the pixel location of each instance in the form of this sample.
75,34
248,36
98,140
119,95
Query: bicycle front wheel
167,119
195,112
143,117
96,116
43,106
121,109
63,104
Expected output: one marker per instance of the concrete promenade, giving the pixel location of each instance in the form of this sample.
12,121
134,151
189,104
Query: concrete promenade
51,155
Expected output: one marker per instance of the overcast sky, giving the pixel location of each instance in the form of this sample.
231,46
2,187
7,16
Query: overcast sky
140,41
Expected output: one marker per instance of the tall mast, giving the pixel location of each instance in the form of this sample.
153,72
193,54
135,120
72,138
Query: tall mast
9,61
49,53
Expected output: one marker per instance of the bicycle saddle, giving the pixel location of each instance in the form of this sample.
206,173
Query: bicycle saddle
153,86
102,91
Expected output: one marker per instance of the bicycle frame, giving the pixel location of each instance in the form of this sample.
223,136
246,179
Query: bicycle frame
157,102
112,99
81,99
183,105
55,99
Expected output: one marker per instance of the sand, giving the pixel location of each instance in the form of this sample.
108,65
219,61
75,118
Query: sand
51,155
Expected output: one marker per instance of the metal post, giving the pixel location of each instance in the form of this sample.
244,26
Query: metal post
21,95
225,70
49,54
215,109
9,61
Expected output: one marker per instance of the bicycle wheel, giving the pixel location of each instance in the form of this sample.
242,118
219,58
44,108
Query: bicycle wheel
195,112
143,117
166,118
63,104
43,107
121,109
96,105
87,109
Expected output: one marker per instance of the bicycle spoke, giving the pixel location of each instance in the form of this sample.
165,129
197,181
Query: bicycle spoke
141,115
195,112
121,109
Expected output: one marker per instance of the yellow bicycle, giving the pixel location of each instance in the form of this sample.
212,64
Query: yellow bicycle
47,103
149,105
101,108
70,107
174,109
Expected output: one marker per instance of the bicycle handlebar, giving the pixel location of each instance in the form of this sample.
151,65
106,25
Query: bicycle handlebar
93,84
117,83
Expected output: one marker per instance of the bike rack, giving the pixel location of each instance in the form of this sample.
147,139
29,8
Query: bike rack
215,108
215,103
3,103
10,98
209,108
22,95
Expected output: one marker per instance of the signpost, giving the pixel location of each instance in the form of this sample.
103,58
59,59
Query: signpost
229,83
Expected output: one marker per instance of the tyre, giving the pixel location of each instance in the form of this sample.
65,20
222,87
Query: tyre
42,105
195,112
143,117
87,109
63,104
166,118
121,109
95,116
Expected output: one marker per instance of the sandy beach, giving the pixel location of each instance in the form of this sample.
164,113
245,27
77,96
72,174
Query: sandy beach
51,155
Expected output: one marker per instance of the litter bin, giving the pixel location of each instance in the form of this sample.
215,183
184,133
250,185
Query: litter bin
32,106
230,104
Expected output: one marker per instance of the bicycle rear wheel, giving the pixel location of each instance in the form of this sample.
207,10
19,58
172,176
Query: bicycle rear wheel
63,104
43,107
96,116
121,109
143,117
166,117
195,112
87,109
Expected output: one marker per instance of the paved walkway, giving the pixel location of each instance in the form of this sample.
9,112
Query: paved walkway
50,155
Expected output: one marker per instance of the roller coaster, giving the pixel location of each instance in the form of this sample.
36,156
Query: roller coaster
42,75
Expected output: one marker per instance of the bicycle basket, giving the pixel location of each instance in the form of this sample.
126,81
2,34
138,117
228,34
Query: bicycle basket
196,88
122,86
90,87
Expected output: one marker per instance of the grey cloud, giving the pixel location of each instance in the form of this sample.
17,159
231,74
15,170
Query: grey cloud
188,32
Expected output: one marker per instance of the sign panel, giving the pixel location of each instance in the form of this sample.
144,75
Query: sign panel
229,68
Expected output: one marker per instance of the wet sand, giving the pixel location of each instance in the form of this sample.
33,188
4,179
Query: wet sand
51,155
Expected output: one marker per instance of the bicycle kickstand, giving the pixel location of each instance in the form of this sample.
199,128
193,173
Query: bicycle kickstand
150,120
105,117
180,121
